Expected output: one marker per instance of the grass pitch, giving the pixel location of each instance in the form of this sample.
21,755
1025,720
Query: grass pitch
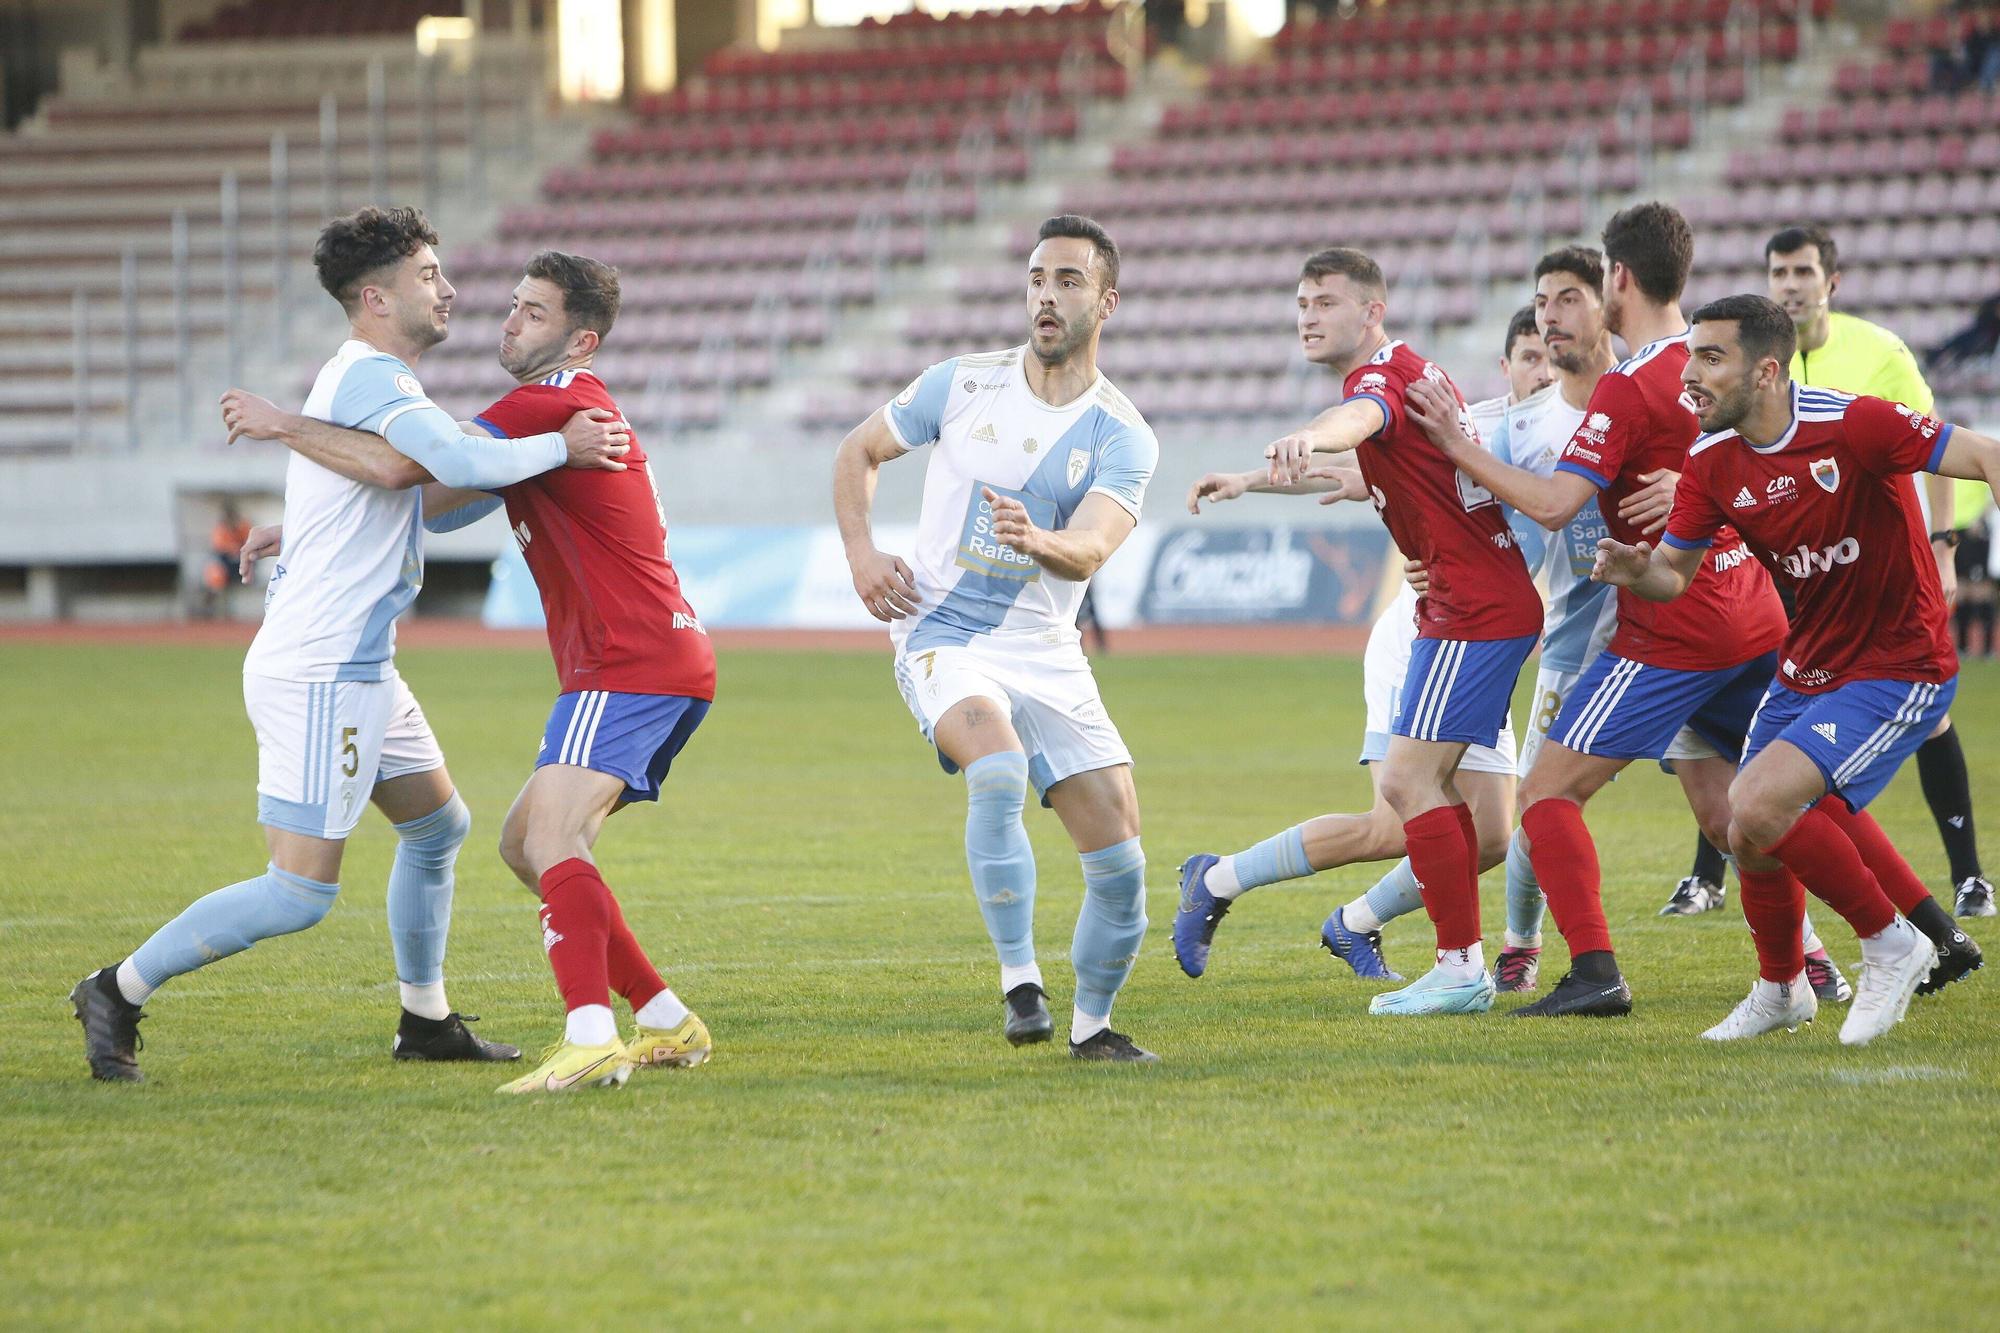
865,1150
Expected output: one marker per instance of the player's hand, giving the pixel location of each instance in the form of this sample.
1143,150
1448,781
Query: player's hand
247,415
597,438
1216,487
1435,412
1620,565
1947,572
1011,524
1289,458
1418,576
884,584
1647,508
1351,486
260,543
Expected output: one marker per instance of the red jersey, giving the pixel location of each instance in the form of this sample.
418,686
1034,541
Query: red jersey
1635,423
596,542
1479,583
1826,508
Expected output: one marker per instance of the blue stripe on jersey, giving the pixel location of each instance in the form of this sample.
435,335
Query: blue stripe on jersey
1596,479
1937,454
984,594
373,647
1683,544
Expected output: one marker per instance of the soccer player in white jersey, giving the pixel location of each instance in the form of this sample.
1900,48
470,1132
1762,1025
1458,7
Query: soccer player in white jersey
336,727
1352,933
1037,469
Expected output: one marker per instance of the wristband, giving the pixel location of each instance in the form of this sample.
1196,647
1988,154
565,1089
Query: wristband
1949,537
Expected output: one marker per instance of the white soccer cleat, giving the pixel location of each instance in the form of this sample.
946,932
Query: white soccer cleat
1767,1008
1882,993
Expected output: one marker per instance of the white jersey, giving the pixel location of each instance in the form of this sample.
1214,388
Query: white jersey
991,432
353,555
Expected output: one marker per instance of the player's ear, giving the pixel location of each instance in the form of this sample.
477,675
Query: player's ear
584,342
1107,302
1832,284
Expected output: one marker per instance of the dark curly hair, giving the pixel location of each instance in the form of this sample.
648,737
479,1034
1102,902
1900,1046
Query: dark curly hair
589,288
354,248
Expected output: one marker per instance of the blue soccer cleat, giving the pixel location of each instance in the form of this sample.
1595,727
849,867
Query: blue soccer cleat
1360,950
1200,913
1438,992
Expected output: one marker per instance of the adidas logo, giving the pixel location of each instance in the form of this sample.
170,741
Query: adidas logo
1826,730
1956,821
1744,500
986,434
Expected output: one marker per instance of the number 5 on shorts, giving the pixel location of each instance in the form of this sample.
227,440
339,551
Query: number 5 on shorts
350,758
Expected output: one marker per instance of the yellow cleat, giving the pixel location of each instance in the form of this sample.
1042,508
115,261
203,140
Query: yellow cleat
566,1067
683,1048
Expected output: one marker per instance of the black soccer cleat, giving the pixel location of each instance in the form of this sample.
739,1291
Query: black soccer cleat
1111,1046
1028,1015
447,1038
1958,956
1574,997
111,1040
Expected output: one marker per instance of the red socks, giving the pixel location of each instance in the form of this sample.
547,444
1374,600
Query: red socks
632,973
1565,861
1891,871
577,911
1444,856
1774,903
1818,852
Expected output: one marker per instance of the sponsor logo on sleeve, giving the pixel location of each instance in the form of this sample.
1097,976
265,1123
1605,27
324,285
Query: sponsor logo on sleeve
909,395
1372,382
1927,427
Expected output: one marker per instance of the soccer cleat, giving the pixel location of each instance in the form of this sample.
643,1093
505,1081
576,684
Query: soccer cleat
1573,997
1028,1015
111,1040
1827,982
1975,898
1359,949
1694,896
683,1047
1200,913
1958,956
1114,1047
1759,1012
1883,996
1437,992
566,1067
1517,970
446,1038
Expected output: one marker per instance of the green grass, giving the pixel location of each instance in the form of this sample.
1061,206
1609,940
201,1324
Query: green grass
864,1150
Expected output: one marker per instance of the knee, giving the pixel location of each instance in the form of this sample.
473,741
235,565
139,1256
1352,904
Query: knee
514,847
1493,844
295,902
440,833
1756,820
1403,794
996,788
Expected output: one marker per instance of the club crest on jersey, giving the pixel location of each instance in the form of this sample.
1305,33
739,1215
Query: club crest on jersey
407,384
1079,463
1826,472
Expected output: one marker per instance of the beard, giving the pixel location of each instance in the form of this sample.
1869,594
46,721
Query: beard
1729,410
423,331
1074,335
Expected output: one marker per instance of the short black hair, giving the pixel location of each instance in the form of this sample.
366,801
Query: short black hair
1349,263
1077,227
1583,261
589,288
1656,244
351,249
1762,326
1518,328
1788,239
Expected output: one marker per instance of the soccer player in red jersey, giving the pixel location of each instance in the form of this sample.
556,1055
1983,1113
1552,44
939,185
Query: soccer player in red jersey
1700,664
1476,622
1812,478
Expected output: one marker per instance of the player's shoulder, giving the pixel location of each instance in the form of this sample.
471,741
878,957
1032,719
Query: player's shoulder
356,360
1661,356
1119,410
1703,444
1824,405
1002,359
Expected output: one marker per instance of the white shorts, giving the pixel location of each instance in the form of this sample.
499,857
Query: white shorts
322,747
1545,706
1044,681
1384,664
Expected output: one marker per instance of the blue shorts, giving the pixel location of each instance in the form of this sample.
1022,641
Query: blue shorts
1460,689
1623,709
629,736
1857,735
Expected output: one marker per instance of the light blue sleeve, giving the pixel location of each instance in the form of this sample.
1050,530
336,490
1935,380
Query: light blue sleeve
1125,464
381,396
451,520
918,412
1529,535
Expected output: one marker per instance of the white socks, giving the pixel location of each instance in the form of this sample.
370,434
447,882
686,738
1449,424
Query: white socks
664,1012
1024,974
1221,878
1533,941
1462,964
1360,917
1082,1026
591,1025
425,1001
135,990
1890,943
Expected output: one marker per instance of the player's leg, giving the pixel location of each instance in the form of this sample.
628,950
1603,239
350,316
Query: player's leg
1100,810
314,742
1948,792
1958,955
1518,968
1553,852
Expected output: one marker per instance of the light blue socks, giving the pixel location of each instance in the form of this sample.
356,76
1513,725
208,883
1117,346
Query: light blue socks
226,922
420,885
1395,894
1279,857
1110,926
998,854
1525,902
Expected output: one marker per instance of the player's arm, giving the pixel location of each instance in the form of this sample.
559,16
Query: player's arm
1338,430
1099,526
1550,501
883,582
1967,454
1331,481
449,508
1658,574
